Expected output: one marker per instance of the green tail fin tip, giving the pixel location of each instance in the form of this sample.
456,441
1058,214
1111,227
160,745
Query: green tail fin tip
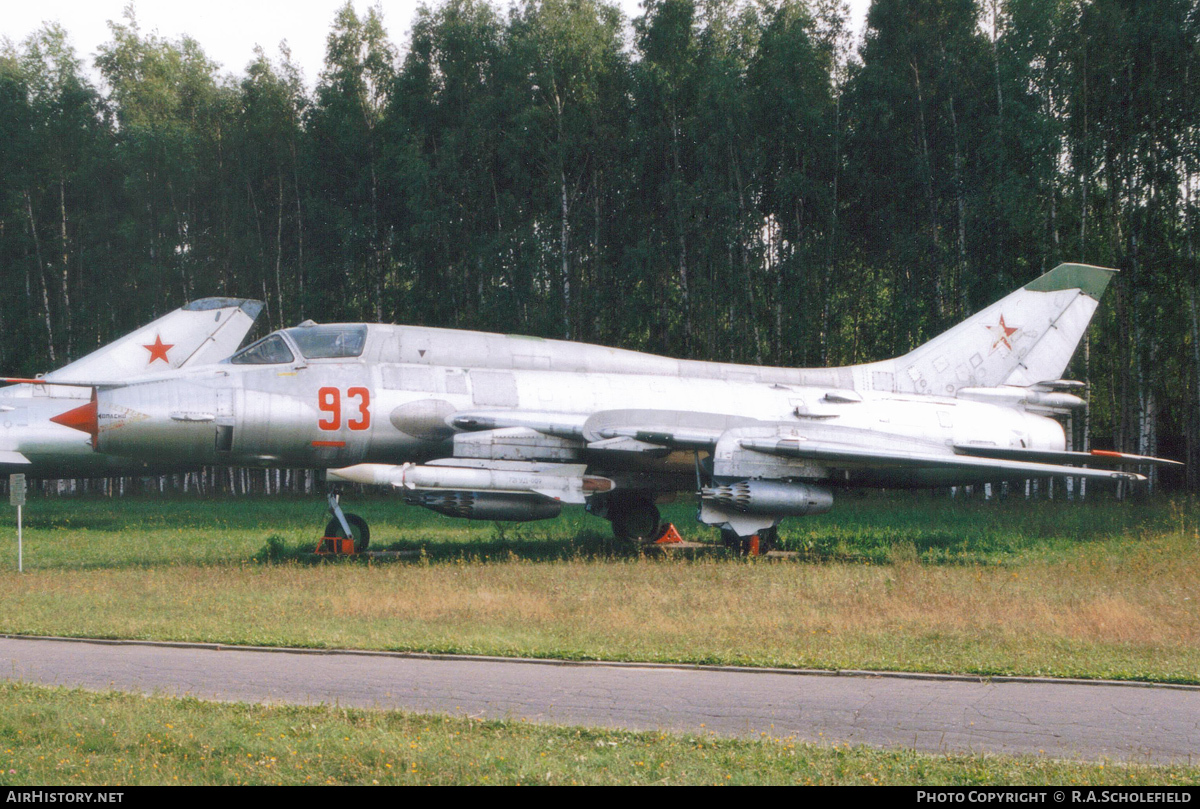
1091,280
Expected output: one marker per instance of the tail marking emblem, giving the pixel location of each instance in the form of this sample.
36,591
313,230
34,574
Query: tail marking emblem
1002,332
158,350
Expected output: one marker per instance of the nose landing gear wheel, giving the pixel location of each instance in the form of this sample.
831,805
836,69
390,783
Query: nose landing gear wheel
768,540
359,531
735,543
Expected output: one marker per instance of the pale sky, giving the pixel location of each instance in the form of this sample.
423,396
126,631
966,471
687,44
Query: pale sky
228,30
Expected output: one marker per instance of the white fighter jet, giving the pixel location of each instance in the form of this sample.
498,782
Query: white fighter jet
39,436
500,427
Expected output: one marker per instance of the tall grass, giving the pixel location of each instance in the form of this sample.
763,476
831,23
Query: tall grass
1101,589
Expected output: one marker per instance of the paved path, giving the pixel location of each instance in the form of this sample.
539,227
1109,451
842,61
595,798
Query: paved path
1060,720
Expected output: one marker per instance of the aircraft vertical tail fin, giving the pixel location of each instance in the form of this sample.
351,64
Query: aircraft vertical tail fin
1024,338
203,331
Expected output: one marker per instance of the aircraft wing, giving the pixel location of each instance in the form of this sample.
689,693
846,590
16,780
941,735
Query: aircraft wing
630,430
874,457
659,431
82,383
1096,457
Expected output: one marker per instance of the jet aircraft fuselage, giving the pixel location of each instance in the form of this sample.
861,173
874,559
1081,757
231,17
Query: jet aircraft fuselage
399,398
493,426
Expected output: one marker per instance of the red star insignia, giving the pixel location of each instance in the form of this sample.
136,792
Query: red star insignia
158,350
1003,332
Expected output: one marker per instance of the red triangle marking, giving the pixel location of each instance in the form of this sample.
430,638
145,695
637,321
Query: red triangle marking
82,418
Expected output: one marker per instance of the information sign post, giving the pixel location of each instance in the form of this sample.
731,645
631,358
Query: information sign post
16,497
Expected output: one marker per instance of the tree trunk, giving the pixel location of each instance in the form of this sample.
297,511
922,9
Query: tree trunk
564,249
37,251
927,161
66,264
1194,322
279,255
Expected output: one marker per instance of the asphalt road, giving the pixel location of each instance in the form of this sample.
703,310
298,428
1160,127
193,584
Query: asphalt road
1055,719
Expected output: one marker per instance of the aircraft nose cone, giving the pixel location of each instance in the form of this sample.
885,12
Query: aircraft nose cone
82,418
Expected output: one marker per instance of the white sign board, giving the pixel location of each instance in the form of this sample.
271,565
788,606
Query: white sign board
16,490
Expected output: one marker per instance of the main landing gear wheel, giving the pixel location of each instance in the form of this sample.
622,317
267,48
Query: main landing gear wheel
635,520
359,531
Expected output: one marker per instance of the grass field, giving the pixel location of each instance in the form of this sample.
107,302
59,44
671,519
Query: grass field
912,582
65,737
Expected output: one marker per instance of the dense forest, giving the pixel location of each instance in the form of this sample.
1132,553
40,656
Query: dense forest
717,179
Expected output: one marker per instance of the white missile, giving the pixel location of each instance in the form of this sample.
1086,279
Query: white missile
1012,396
368,474
562,482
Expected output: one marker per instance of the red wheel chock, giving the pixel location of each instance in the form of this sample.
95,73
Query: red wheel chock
668,535
337,546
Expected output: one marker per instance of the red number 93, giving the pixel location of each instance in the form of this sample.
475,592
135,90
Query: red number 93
329,402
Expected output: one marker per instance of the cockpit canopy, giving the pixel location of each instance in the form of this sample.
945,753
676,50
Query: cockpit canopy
329,342
270,350
313,342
